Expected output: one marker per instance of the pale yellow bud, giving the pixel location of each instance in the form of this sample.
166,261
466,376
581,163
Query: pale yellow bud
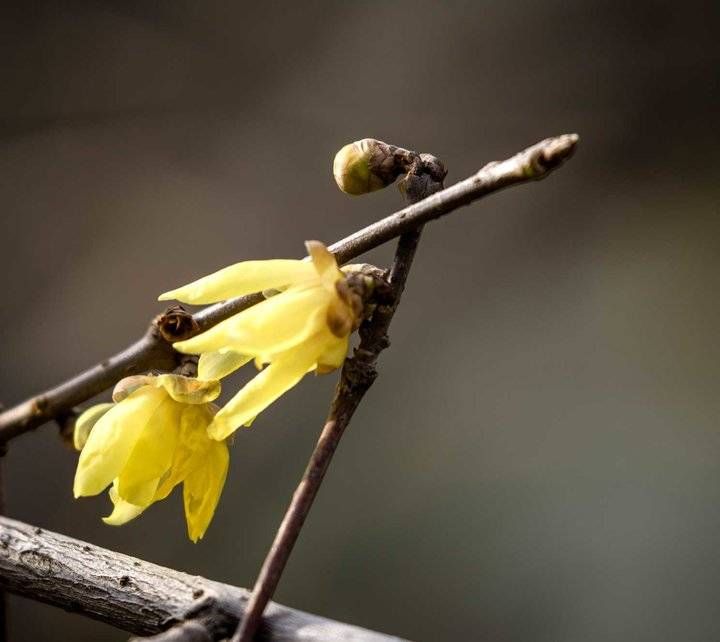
355,168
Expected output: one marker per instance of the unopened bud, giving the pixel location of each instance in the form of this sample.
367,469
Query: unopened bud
368,165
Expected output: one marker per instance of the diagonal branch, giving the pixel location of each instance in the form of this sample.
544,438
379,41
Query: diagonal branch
358,374
154,350
141,597
424,178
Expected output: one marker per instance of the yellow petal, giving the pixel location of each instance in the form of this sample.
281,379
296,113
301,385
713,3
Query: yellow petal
325,264
216,339
216,365
272,326
152,455
193,441
113,439
283,373
334,355
122,512
202,489
85,422
188,389
282,323
242,278
125,387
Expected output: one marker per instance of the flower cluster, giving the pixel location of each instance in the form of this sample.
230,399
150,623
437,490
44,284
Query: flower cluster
151,439
163,430
304,328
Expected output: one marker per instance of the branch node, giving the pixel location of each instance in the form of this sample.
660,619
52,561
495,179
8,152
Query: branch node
66,427
39,405
175,324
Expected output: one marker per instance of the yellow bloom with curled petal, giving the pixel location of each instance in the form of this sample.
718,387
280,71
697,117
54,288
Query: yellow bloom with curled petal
151,439
306,327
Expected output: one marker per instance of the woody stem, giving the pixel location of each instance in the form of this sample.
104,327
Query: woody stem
3,595
358,374
154,350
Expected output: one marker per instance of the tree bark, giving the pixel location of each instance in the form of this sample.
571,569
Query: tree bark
141,597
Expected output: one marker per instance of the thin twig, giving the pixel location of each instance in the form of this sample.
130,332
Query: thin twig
141,597
358,374
154,350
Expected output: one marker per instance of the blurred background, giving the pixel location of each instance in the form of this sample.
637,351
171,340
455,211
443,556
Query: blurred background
540,456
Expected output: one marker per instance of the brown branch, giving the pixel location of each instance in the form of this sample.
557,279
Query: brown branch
3,596
154,351
358,374
140,597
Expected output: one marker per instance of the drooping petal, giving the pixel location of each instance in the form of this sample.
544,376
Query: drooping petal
216,365
85,422
192,442
288,320
272,326
242,278
283,373
202,489
325,264
112,440
189,389
125,387
334,355
152,455
122,511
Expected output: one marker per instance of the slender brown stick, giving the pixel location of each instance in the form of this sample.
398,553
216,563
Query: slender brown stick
155,351
358,374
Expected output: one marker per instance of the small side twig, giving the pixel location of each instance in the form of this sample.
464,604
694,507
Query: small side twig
358,374
152,351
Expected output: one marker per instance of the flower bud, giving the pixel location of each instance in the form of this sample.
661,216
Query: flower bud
368,165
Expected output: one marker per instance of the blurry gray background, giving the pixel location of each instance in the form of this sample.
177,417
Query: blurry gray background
540,457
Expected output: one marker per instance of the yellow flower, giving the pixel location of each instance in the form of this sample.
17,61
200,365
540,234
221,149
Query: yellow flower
150,440
306,327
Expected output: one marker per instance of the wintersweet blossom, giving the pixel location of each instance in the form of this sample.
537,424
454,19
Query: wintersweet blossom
303,328
151,439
